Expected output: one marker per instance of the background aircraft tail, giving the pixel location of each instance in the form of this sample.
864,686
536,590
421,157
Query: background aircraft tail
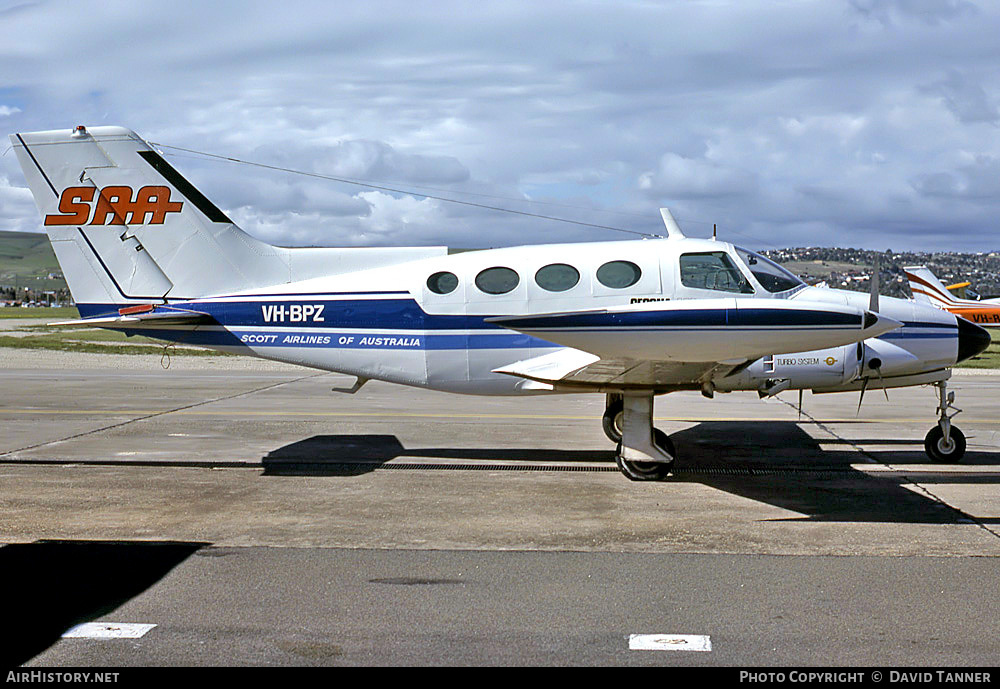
926,288
126,227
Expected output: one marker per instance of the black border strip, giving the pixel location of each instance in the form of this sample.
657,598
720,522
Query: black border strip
40,170
186,189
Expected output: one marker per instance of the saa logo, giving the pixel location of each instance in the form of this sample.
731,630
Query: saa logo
114,206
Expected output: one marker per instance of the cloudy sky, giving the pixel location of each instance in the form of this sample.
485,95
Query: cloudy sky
860,123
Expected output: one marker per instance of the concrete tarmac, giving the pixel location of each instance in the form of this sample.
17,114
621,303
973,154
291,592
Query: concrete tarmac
849,545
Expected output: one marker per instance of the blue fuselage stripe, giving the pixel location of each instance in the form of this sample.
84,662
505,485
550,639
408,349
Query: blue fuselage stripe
686,318
399,323
386,314
342,340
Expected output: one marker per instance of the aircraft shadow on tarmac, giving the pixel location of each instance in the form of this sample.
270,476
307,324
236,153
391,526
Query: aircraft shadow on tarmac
51,586
351,455
781,465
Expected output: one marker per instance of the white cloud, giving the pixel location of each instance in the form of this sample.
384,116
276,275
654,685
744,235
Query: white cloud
686,178
794,122
926,11
18,212
966,99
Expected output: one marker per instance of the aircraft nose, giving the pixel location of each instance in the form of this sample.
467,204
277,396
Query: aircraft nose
972,339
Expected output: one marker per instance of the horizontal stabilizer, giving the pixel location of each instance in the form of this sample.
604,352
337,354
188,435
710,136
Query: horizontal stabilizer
144,316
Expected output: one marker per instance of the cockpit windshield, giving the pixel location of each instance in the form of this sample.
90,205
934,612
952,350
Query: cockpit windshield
769,274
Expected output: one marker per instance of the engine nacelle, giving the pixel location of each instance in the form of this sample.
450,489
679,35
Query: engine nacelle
821,368
886,359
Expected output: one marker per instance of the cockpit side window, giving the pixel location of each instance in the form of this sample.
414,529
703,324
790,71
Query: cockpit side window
769,274
713,270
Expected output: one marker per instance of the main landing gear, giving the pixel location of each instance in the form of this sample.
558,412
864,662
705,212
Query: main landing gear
644,453
945,443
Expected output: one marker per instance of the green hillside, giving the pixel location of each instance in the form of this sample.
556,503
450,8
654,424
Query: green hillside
26,260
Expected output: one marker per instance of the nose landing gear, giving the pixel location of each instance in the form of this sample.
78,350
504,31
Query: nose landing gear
945,443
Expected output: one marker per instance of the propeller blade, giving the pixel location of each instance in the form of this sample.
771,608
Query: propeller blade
864,386
873,299
884,390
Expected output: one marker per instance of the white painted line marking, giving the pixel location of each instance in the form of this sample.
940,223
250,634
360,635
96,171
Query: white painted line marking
669,642
107,630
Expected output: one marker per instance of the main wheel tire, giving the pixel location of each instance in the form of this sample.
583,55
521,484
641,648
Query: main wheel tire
940,451
648,471
612,422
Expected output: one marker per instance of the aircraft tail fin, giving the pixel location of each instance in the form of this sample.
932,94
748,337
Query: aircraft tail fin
127,227
926,288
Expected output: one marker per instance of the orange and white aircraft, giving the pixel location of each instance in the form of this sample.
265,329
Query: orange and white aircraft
928,289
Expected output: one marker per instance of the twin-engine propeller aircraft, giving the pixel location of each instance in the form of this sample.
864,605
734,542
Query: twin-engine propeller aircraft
145,252
927,289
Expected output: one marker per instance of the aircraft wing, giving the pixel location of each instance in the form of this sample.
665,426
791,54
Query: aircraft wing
143,316
573,368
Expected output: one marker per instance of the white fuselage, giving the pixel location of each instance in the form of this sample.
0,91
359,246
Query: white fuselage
387,323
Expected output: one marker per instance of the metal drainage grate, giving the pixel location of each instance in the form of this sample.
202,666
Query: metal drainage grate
359,467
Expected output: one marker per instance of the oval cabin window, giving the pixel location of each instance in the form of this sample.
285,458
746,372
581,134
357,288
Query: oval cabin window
497,280
442,283
618,274
557,277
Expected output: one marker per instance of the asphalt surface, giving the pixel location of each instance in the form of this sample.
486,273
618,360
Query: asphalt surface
257,517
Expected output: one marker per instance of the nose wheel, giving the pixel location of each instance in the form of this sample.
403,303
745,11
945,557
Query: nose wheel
644,453
945,443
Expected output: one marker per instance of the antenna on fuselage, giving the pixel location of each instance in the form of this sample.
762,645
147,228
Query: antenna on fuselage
673,229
